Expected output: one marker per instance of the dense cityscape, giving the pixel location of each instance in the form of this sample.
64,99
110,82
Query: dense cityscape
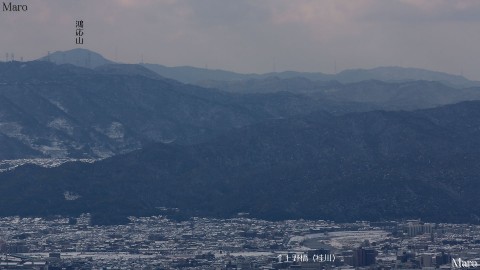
239,243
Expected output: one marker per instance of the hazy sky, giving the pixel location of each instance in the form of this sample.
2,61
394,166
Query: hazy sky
256,35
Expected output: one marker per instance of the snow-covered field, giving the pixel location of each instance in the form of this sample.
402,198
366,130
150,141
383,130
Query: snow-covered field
342,239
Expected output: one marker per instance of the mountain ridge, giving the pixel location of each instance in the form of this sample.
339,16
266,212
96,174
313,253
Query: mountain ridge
372,165
195,75
63,110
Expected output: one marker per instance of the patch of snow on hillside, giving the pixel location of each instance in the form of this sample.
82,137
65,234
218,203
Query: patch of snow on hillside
71,196
7,165
115,131
61,124
59,105
11,129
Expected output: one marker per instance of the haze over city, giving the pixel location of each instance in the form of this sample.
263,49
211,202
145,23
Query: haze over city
256,36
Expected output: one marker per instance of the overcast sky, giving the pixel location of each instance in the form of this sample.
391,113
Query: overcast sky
256,35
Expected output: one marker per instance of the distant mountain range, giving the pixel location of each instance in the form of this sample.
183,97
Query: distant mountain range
388,74
386,95
385,143
371,165
49,110
194,75
65,111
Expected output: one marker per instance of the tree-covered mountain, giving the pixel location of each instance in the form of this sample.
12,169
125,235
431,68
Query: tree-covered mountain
406,95
370,165
50,110
272,85
402,96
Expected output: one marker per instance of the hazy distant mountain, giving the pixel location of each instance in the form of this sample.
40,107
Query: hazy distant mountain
194,75
272,85
388,74
372,165
402,95
398,74
129,70
78,57
405,95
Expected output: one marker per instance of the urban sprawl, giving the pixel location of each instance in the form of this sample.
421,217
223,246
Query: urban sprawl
238,243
